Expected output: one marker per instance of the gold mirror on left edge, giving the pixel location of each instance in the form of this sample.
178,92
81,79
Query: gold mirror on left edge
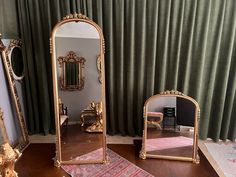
79,96
11,101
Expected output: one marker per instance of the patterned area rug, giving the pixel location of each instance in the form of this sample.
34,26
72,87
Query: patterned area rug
168,143
224,154
117,167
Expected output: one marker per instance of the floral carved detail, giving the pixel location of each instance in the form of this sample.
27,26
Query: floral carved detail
8,157
14,43
3,128
99,68
173,92
103,45
76,15
50,45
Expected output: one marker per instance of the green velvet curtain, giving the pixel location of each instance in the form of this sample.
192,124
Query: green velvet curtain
151,46
9,26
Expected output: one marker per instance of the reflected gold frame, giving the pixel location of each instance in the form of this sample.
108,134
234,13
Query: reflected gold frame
71,57
14,94
76,18
195,157
99,68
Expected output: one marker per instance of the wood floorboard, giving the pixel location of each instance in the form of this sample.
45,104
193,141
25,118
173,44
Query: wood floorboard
36,161
75,141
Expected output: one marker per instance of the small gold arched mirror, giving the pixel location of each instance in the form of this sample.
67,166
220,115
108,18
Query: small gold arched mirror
170,127
80,116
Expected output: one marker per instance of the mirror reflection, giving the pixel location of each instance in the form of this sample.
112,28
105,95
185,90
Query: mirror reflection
170,128
17,62
71,77
81,116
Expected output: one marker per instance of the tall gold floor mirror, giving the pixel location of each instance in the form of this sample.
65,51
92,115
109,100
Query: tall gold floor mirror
79,91
170,127
11,102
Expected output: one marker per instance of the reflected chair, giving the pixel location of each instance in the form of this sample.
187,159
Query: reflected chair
64,118
155,118
94,110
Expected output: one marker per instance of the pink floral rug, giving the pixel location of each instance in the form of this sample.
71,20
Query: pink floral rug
168,143
224,155
117,167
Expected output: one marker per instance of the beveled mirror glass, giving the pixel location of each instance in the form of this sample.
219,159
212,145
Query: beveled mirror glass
171,127
14,114
76,41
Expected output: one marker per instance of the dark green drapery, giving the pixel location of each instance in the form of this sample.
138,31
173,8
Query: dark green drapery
151,46
9,26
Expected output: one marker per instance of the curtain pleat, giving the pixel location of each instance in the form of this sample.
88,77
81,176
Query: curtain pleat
151,46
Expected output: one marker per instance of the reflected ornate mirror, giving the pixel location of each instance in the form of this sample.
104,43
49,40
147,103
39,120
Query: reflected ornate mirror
80,116
14,117
71,77
171,127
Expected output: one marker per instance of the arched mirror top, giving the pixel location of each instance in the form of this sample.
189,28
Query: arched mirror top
67,28
169,93
16,59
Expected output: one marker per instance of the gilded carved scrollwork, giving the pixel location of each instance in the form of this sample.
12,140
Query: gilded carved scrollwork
167,92
14,43
76,15
99,68
8,155
3,128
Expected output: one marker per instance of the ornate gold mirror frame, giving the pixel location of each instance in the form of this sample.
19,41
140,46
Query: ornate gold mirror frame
16,101
172,93
71,58
14,44
76,18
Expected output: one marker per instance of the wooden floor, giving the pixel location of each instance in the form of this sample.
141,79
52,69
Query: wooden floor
75,141
36,161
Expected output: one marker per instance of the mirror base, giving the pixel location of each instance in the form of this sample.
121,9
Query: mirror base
56,162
